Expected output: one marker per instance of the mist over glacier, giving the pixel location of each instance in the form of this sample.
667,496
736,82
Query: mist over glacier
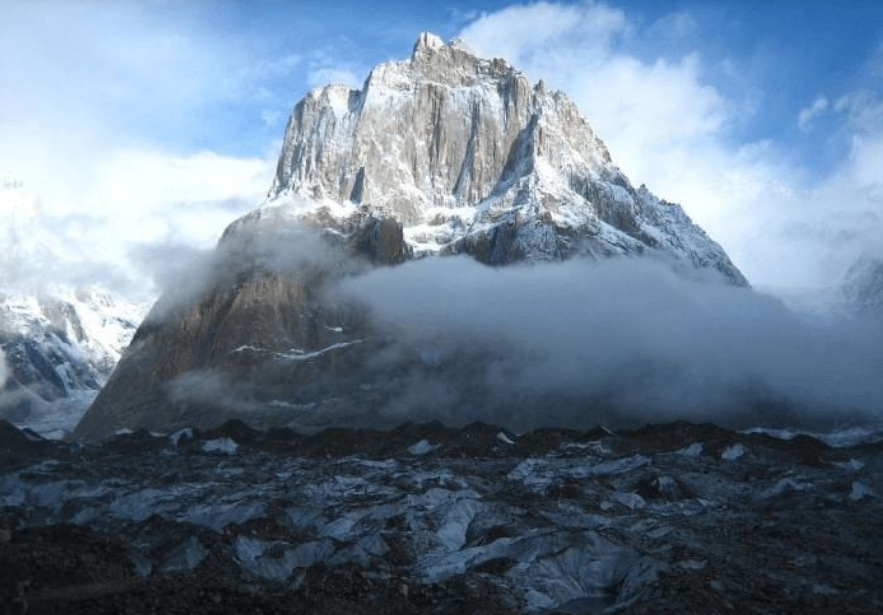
631,336
619,341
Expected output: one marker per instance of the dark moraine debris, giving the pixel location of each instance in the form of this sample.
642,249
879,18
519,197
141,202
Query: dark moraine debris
676,518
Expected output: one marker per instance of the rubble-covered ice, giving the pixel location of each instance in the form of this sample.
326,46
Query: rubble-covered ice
629,523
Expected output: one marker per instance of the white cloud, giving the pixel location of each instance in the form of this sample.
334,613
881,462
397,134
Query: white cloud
863,110
672,348
4,370
544,33
271,117
132,198
86,74
102,121
668,127
807,114
334,64
460,16
333,75
674,25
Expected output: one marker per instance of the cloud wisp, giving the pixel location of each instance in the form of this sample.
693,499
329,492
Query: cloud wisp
807,114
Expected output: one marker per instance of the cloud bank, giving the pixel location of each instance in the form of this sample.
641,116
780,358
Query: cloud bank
137,202
625,340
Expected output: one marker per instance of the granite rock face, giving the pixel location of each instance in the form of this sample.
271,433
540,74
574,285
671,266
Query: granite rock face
471,157
259,341
444,153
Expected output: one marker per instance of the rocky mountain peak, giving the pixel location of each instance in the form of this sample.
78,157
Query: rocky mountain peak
452,63
442,129
470,156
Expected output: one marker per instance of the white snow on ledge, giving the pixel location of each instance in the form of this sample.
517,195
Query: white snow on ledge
246,347
733,452
186,433
502,437
296,354
422,448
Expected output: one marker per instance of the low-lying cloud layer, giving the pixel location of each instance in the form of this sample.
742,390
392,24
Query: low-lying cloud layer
628,334
623,341
186,275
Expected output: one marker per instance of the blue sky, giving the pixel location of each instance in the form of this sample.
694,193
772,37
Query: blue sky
765,119
778,55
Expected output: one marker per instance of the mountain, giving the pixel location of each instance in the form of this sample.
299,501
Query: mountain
58,343
441,154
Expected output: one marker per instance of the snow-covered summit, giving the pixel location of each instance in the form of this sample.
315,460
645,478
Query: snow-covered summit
57,350
472,157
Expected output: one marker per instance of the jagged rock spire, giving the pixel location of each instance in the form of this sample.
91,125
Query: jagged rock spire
454,146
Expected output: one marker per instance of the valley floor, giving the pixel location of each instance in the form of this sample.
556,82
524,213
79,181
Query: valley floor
675,518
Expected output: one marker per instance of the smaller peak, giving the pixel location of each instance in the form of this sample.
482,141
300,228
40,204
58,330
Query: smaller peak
338,97
540,87
428,40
